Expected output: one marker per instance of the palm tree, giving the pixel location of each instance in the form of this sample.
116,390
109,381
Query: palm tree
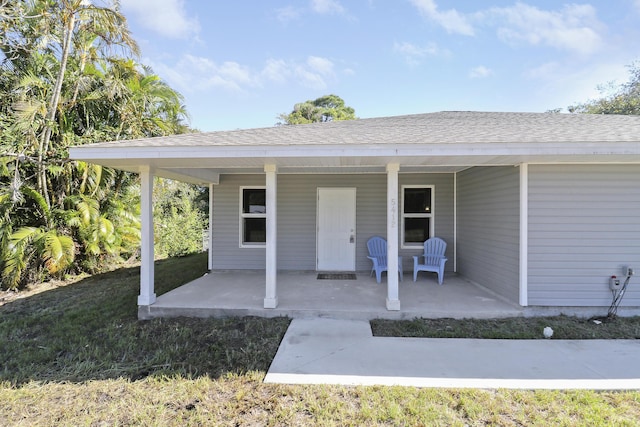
41,245
59,85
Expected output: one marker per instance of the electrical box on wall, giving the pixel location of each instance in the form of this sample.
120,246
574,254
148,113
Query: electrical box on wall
614,283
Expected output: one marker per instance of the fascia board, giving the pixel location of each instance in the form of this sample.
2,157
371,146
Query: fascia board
366,150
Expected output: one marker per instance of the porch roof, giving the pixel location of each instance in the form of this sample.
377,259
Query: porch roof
438,142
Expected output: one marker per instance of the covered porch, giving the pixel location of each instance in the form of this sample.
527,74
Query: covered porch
302,294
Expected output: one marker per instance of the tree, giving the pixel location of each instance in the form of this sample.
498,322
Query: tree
324,109
61,84
64,28
177,219
623,99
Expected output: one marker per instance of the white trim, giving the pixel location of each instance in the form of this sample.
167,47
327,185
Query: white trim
147,295
487,150
271,252
242,215
455,222
524,234
430,215
210,237
393,299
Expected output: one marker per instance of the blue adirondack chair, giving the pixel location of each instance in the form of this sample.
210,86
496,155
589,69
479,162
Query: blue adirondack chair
433,257
378,255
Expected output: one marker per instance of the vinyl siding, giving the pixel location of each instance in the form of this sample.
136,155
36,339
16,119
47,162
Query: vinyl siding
489,228
584,226
297,204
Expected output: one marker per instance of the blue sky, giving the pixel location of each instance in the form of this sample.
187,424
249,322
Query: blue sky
241,63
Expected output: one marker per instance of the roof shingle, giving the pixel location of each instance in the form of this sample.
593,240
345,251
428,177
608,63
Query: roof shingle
448,127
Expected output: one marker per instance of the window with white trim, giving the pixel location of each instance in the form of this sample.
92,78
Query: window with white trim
253,217
417,215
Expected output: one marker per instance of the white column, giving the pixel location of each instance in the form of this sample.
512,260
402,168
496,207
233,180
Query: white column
455,222
210,243
147,295
524,234
271,268
393,302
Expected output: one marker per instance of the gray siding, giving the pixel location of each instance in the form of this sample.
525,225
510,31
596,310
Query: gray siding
584,226
297,204
227,253
489,228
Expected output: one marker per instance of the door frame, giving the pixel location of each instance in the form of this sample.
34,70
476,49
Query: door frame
318,211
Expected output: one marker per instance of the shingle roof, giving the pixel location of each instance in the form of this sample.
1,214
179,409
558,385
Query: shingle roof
447,127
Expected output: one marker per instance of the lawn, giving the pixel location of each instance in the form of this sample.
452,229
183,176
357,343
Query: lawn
564,327
76,354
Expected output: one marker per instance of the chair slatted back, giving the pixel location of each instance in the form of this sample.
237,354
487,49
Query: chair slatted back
434,249
377,247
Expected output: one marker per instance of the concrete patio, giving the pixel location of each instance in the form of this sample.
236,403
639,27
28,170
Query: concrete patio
302,295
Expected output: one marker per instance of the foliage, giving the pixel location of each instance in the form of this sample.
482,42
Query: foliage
68,77
623,99
177,220
324,109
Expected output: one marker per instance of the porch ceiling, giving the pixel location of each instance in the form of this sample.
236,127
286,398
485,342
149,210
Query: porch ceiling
203,169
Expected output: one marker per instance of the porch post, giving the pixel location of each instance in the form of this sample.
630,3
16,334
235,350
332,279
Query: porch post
393,302
210,237
271,268
147,295
524,234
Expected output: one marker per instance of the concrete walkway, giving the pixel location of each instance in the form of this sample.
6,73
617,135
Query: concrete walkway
328,351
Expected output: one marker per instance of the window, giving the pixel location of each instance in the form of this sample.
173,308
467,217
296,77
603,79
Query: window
253,217
417,215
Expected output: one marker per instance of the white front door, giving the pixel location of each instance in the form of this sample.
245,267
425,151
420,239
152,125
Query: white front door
336,231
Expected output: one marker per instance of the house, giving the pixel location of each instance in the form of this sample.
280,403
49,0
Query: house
540,208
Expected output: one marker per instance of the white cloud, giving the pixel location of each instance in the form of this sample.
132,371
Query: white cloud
562,85
320,65
165,17
414,54
276,70
451,20
574,28
314,73
544,71
480,72
193,73
287,14
327,7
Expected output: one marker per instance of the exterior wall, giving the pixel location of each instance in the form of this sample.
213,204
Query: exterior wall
489,228
297,204
584,226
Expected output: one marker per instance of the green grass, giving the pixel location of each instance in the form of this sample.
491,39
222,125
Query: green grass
89,330
564,327
77,355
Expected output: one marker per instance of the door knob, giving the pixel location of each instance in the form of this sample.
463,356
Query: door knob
352,239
